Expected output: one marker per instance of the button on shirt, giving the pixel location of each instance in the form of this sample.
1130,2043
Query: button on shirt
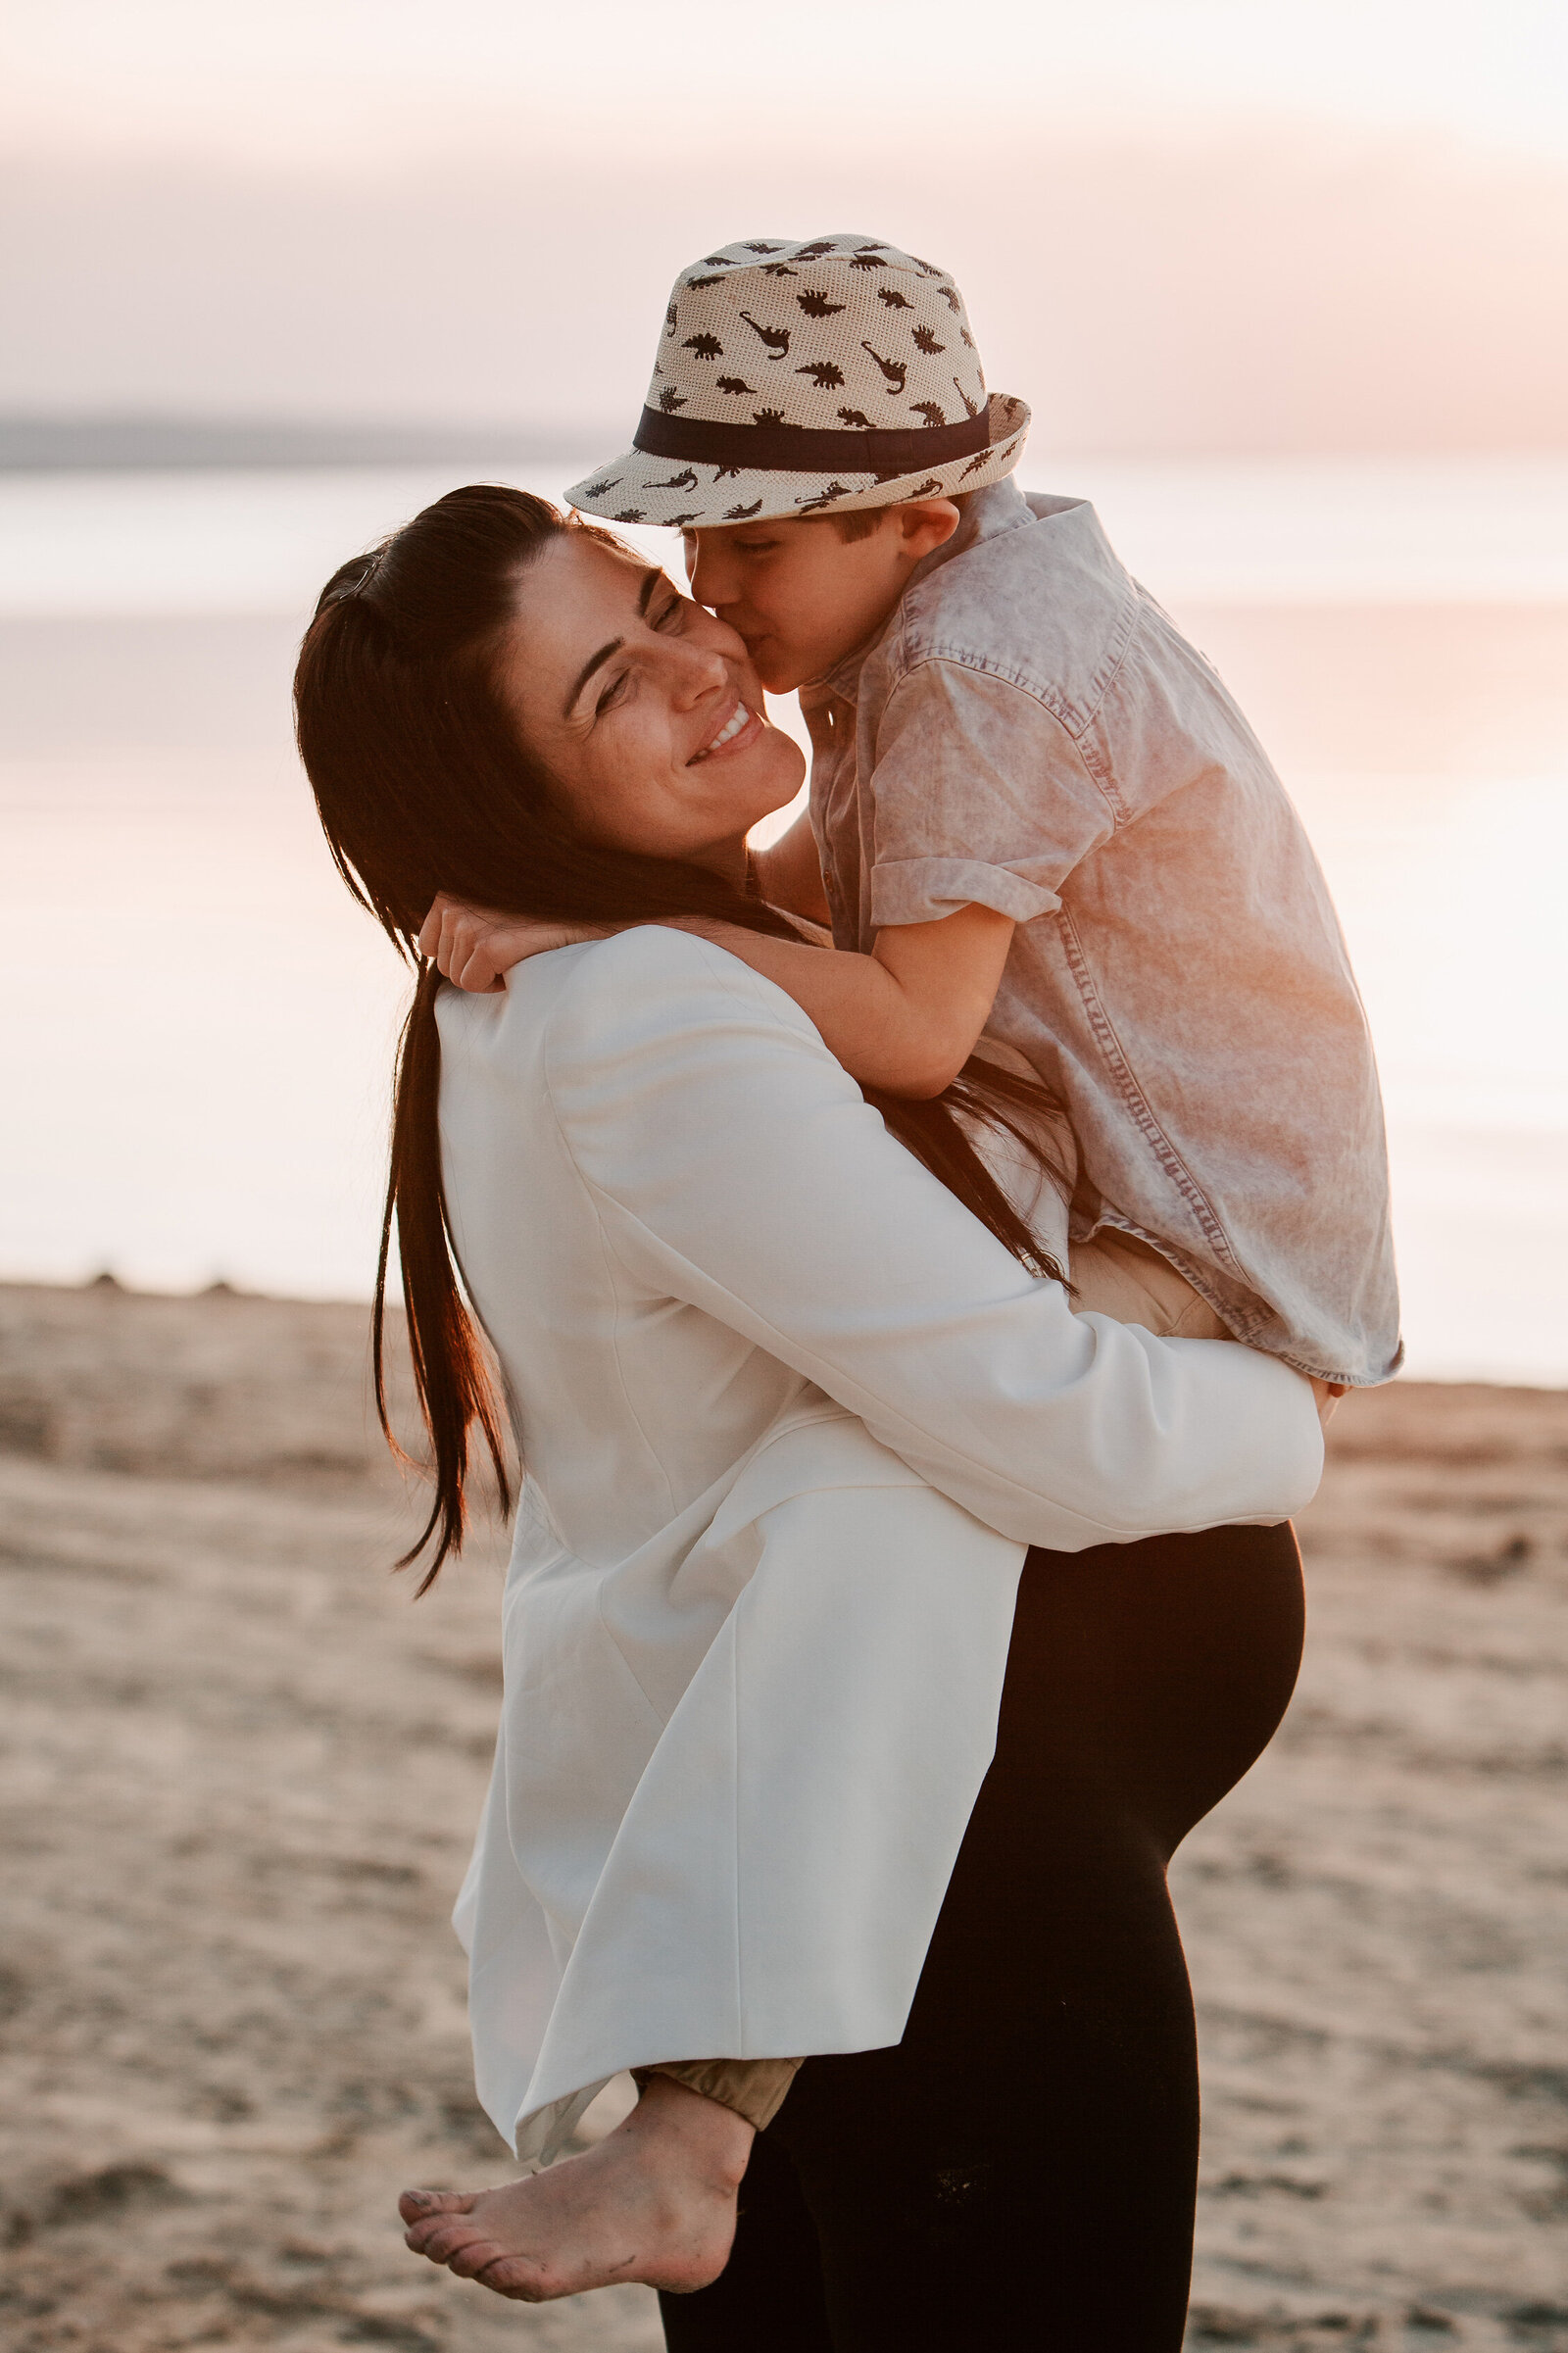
1030,733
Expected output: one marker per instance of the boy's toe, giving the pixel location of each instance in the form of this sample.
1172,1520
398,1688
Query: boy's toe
420,2241
416,2205
476,2255
512,2275
445,2236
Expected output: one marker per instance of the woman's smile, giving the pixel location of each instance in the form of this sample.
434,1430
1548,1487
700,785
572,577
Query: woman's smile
739,732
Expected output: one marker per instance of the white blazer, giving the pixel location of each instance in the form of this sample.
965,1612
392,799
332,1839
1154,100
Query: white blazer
790,1417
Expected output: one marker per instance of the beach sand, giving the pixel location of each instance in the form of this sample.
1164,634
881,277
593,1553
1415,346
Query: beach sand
241,1771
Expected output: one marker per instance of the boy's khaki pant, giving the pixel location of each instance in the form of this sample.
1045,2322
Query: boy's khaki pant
1115,1275
753,2088
1112,1276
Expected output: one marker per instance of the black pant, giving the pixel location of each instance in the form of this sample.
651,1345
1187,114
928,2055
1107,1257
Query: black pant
1019,2171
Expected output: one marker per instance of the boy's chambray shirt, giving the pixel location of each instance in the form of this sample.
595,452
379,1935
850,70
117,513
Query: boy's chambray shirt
1031,733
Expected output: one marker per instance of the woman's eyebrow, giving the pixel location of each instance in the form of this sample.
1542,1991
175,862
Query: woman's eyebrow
594,662
650,580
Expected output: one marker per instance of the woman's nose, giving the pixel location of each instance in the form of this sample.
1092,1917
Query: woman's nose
696,671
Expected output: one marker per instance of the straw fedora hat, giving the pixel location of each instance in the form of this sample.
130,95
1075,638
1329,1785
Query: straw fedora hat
808,378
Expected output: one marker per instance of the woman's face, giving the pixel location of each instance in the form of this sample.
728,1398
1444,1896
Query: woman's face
642,708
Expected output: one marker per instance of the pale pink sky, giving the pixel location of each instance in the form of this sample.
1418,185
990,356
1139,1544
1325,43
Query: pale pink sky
1199,225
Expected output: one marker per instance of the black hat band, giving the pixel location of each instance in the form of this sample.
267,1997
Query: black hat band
802,449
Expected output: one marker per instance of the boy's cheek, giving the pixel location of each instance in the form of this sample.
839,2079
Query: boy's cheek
761,650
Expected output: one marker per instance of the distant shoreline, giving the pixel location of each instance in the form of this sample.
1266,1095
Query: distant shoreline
114,443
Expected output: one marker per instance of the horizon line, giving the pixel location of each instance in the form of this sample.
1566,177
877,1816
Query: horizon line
144,439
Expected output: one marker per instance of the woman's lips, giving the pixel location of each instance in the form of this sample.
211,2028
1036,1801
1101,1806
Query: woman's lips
740,730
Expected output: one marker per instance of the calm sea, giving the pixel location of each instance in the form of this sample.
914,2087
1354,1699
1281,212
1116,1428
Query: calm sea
199,1023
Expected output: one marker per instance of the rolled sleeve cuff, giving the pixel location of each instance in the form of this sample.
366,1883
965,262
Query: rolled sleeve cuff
922,890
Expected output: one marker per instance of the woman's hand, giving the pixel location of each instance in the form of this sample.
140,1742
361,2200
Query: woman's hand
473,946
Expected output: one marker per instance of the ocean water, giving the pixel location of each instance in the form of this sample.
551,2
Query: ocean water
200,1023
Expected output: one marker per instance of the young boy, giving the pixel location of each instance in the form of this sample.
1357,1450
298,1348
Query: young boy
1036,813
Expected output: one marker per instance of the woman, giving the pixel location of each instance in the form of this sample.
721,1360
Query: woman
791,1408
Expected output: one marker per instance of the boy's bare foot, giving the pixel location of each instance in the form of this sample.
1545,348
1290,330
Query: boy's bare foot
654,2202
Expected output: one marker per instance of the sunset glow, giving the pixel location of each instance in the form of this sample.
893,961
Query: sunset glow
320,78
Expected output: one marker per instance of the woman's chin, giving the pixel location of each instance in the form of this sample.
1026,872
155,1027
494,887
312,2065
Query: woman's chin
786,761
769,804
738,787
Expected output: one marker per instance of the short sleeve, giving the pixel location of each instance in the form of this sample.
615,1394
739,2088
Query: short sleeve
982,799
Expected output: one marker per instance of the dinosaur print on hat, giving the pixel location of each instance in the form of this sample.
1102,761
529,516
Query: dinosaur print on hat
789,321
777,338
895,370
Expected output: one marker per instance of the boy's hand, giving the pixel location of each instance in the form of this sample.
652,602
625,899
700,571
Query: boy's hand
1328,1394
473,946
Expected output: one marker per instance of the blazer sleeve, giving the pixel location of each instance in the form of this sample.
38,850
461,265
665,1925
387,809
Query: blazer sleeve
734,1165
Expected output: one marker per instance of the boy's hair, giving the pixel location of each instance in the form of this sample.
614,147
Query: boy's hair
861,522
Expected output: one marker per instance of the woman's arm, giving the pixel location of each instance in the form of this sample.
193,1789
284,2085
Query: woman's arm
734,1164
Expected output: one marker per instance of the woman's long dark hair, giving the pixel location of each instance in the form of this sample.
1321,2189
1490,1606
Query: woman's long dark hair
424,786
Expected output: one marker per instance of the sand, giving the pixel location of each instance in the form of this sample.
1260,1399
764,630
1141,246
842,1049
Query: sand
240,1771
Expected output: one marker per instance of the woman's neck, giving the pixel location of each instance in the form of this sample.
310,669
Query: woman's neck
730,861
